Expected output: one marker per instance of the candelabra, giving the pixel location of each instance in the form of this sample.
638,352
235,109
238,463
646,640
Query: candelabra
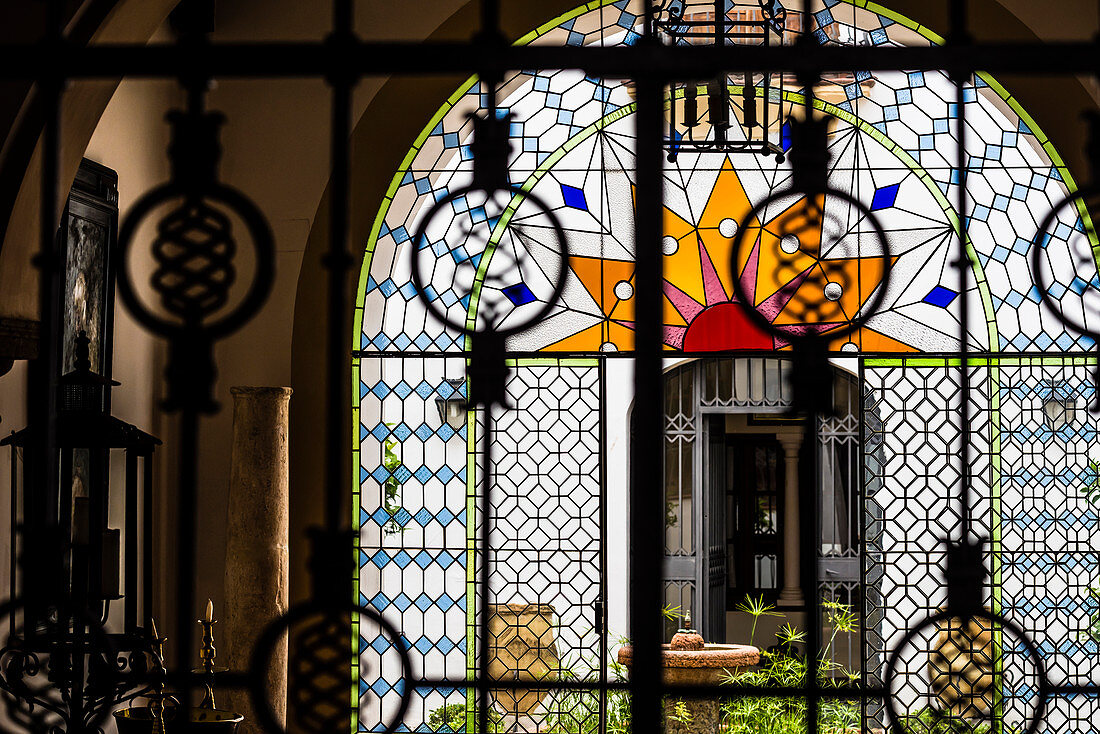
64,668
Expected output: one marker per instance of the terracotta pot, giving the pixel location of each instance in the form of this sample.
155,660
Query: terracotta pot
521,647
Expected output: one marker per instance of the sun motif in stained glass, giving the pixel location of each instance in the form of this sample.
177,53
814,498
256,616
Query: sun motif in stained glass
796,275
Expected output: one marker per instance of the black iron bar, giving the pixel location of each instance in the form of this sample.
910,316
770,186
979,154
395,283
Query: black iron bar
146,539
13,545
973,355
958,30
809,522
646,522
374,58
43,570
240,679
186,541
337,261
484,558
130,544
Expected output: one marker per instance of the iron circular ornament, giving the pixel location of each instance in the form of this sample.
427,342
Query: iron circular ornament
263,243
864,312
890,672
420,242
1079,197
260,658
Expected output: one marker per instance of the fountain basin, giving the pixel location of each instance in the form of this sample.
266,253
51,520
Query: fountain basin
698,667
706,664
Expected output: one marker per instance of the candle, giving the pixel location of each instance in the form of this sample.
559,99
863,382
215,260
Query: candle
209,610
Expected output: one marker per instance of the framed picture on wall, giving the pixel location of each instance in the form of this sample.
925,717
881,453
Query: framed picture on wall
89,233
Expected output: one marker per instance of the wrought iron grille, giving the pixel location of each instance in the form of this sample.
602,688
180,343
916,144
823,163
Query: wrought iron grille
962,434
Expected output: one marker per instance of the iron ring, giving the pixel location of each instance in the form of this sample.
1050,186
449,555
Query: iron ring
263,242
265,644
419,242
865,312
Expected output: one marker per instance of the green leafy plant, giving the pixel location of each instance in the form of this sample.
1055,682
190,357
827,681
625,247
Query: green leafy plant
930,721
391,488
757,608
1091,490
453,717
677,710
786,667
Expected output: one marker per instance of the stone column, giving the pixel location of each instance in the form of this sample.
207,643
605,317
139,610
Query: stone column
791,594
257,570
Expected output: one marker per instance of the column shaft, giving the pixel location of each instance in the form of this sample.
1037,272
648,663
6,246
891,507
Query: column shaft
257,570
791,594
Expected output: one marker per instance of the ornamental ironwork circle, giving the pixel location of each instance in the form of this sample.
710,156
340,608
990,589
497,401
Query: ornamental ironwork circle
324,656
18,662
194,250
790,248
517,197
950,617
1043,238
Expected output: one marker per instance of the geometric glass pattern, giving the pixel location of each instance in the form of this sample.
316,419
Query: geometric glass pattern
410,501
546,539
1029,500
893,143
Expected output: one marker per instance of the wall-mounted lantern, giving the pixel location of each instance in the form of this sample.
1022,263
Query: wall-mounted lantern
452,407
1059,405
1058,412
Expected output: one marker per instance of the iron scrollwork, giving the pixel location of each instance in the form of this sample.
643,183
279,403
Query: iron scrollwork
42,673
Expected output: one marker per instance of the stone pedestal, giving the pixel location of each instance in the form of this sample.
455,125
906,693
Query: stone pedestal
702,666
257,570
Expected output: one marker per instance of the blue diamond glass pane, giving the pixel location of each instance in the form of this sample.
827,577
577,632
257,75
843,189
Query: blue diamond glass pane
519,294
884,197
574,197
940,296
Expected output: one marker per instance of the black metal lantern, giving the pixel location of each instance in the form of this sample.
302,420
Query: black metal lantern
81,583
704,115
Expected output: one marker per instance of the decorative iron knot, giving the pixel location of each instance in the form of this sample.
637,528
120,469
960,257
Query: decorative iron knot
835,287
470,244
195,250
1068,256
966,653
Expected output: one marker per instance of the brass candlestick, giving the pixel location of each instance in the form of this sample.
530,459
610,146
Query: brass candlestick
207,653
156,701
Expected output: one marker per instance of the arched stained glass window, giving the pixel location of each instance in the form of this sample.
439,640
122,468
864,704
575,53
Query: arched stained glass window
893,145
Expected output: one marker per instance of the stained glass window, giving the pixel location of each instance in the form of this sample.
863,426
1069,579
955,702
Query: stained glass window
893,144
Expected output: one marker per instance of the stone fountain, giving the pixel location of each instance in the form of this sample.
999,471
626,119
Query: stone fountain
687,660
